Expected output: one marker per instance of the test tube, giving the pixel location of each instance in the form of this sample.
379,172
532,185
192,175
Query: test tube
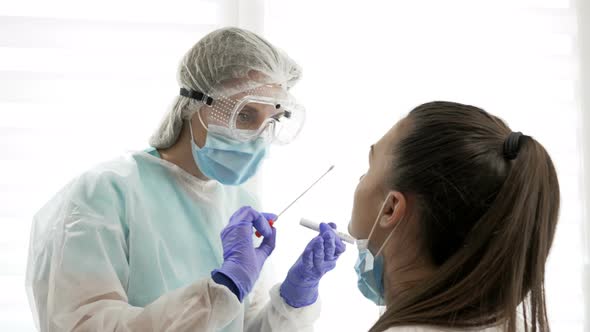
316,227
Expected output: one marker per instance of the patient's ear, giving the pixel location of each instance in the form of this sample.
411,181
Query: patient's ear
394,209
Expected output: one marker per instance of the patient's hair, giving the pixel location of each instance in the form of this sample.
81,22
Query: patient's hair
487,220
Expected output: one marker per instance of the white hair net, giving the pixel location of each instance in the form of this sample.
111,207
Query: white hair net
224,62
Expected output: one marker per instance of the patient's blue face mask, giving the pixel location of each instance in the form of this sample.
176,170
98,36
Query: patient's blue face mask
369,268
228,161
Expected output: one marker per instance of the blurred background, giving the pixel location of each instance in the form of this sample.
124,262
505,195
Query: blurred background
84,81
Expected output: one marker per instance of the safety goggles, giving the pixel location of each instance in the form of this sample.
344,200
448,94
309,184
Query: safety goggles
268,112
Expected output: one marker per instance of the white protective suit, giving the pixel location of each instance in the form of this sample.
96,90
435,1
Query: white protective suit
130,245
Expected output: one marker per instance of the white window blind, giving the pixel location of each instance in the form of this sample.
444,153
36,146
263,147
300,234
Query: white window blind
80,83
367,63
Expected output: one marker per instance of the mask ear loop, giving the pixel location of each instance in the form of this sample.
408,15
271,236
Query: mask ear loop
190,125
200,120
375,225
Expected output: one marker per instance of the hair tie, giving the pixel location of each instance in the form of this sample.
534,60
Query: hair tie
512,145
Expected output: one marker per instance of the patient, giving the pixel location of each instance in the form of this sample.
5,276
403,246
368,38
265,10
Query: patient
458,214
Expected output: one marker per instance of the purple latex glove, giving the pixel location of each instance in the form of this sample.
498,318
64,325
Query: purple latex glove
300,288
242,262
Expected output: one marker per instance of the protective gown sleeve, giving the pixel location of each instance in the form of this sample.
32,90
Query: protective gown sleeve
78,271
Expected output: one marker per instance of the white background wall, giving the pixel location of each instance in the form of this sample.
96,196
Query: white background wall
82,82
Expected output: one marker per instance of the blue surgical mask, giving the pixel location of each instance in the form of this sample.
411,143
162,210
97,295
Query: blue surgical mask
228,161
370,274
369,268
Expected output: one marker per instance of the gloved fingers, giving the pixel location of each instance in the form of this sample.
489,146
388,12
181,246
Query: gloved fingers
308,252
340,247
325,228
260,223
329,266
269,216
329,243
312,243
307,256
318,252
240,215
268,244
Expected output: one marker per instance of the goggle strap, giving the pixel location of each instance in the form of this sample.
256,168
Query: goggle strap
197,95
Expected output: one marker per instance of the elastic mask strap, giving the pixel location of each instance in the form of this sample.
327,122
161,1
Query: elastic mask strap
387,239
190,127
200,120
375,225
378,217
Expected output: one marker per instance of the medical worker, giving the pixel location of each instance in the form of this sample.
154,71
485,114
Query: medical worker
135,245
454,220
